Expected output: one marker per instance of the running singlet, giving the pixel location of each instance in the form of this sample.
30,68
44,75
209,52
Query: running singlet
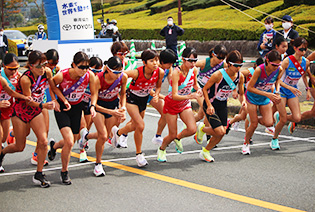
249,76
205,73
292,75
174,107
142,86
4,95
75,96
219,92
263,85
110,96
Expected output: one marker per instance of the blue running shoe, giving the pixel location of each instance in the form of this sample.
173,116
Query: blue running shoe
276,116
274,144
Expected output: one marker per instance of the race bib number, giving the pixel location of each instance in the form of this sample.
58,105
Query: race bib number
291,81
264,87
4,96
38,98
223,95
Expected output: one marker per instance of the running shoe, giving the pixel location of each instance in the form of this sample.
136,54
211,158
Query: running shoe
291,127
276,116
236,126
141,161
83,140
199,134
270,130
52,151
245,149
161,155
228,127
183,127
1,169
34,160
205,155
274,144
10,138
98,170
123,142
65,179
251,141
115,138
86,147
157,140
83,156
40,179
178,145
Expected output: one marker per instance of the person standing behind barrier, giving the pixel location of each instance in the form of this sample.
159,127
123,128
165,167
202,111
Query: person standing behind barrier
40,35
266,38
288,33
216,92
170,32
4,46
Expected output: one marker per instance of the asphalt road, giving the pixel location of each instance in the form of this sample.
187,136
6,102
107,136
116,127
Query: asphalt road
263,181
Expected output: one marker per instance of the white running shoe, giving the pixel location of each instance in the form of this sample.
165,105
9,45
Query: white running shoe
157,140
245,149
115,138
123,141
1,169
98,170
141,161
82,141
270,130
236,126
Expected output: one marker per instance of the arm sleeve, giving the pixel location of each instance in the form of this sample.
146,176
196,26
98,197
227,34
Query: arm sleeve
180,31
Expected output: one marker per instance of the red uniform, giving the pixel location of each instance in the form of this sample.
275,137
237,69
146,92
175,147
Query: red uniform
75,96
174,107
110,96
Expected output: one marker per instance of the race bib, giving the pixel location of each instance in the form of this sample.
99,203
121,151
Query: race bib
291,81
223,95
264,87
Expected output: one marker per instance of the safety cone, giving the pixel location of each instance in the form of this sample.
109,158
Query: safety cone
182,46
132,63
153,45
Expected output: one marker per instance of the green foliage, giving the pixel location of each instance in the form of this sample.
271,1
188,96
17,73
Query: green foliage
151,2
290,3
311,36
162,6
197,4
12,47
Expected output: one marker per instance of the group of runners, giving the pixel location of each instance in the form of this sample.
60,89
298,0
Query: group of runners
91,91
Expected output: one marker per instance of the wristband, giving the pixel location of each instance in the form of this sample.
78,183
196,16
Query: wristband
124,108
92,106
307,88
40,105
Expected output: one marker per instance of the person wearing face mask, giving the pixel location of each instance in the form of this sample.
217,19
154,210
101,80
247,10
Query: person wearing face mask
288,33
170,32
40,35
266,38
3,45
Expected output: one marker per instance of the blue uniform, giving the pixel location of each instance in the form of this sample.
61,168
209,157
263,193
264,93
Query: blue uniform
291,77
262,84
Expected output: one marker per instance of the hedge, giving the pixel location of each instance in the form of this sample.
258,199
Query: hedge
289,3
162,8
12,47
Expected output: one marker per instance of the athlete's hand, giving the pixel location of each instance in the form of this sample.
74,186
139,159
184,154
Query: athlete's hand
155,98
93,112
308,95
275,98
199,92
57,106
68,106
5,104
234,94
28,99
49,105
118,113
210,110
194,95
296,91
244,104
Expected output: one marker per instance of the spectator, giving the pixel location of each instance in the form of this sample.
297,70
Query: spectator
170,32
266,38
3,44
40,35
288,33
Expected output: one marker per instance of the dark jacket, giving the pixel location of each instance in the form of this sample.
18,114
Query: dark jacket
5,40
269,36
292,35
171,38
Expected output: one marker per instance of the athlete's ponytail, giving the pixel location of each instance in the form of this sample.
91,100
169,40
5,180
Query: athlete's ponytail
114,63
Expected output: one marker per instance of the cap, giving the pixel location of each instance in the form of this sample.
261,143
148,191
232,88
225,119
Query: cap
287,18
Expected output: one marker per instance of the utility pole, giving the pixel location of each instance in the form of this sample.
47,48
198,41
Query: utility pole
179,13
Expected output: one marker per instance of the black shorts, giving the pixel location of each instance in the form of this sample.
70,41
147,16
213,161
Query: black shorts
71,118
310,84
86,108
219,118
141,102
109,105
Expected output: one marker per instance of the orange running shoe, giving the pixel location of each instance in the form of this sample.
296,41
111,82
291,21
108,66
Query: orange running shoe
34,160
10,138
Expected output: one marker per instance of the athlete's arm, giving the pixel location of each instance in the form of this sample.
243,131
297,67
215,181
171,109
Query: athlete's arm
13,93
241,90
93,93
132,73
201,64
215,78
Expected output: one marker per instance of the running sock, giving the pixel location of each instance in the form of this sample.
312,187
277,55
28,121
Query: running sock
138,153
124,135
205,150
35,154
208,137
97,164
157,135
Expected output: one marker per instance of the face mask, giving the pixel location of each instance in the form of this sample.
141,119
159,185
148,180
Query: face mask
268,26
286,25
41,30
170,23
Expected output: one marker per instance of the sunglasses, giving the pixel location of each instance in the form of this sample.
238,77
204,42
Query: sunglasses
191,60
220,58
12,68
275,64
43,65
237,65
114,71
122,53
83,67
302,49
96,70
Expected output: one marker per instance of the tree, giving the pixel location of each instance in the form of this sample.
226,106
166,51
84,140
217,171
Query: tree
40,9
16,19
11,7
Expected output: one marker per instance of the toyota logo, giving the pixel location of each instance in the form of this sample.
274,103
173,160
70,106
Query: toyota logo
67,27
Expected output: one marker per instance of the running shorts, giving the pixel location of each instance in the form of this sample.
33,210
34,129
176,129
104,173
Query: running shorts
141,102
109,105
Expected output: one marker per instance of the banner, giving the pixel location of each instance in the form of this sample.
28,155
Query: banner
69,19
